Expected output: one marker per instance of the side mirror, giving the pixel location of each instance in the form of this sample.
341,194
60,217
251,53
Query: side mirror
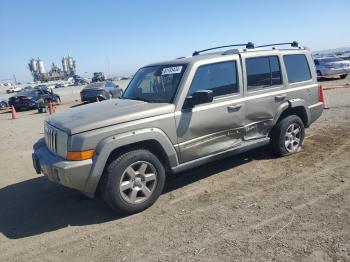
199,97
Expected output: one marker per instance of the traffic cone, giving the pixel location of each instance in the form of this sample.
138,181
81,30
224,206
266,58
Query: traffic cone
322,97
13,112
50,108
97,100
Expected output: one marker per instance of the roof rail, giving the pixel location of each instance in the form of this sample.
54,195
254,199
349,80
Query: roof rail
248,45
292,44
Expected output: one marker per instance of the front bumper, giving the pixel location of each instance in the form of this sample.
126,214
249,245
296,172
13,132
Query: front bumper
73,174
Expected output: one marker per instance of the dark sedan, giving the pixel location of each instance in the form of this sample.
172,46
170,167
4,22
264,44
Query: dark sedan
28,99
101,91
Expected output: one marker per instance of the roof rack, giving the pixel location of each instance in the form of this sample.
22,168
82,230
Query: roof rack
248,45
292,44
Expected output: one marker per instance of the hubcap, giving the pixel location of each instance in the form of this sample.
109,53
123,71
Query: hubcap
293,137
138,182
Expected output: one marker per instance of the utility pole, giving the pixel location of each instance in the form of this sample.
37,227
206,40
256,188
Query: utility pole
109,71
14,78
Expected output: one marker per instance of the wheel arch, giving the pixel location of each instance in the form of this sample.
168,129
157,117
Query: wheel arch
295,107
152,139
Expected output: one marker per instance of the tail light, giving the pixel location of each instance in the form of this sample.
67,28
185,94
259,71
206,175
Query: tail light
321,94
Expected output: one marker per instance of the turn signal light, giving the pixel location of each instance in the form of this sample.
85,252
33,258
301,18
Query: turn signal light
80,155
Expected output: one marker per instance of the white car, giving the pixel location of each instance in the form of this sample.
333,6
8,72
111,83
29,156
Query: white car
14,89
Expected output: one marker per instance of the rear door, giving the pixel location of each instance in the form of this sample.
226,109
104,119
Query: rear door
302,86
216,126
264,92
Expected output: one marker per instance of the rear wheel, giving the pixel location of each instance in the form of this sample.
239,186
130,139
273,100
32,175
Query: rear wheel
287,137
343,76
133,181
3,105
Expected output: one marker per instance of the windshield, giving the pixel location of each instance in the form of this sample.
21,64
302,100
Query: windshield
332,59
28,93
155,83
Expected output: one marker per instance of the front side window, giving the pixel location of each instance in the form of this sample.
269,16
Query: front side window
156,84
221,78
263,72
297,68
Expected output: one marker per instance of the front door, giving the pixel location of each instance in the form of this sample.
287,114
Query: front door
216,126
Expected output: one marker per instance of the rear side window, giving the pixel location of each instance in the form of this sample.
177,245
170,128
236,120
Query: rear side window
221,78
263,72
297,68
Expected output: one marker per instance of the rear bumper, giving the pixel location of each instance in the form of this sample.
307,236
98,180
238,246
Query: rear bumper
335,71
72,174
315,111
91,99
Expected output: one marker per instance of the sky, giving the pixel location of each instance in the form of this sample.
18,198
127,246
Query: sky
129,34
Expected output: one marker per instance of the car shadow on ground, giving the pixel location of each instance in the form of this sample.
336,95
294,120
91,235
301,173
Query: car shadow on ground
37,206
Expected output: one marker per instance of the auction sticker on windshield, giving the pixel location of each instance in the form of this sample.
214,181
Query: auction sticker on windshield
171,70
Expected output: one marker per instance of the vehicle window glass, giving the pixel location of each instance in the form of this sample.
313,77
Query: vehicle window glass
263,72
297,68
221,78
332,60
155,83
109,84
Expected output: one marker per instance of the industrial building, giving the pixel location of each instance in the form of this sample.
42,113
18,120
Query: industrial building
37,69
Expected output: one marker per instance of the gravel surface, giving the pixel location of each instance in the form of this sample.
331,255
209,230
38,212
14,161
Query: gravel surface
251,207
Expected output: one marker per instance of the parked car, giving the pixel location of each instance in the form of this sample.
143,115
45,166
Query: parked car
177,115
26,100
332,66
3,104
60,85
80,81
14,89
101,91
98,77
27,88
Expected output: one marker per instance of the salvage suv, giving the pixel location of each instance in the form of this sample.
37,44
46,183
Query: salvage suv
180,114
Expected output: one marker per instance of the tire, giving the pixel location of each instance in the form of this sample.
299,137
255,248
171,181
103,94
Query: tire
3,105
343,76
284,138
132,170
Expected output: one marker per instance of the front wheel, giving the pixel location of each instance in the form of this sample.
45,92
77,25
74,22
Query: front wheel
343,76
287,137
133,181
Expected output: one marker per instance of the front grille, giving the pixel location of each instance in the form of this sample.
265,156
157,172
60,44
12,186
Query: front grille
51,138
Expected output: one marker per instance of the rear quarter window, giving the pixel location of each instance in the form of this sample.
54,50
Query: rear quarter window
297,68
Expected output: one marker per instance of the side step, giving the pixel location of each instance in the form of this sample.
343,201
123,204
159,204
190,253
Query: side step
244,147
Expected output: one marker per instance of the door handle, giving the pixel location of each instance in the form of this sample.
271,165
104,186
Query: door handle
280,97
234,108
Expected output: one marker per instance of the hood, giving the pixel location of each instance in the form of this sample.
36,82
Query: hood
101,114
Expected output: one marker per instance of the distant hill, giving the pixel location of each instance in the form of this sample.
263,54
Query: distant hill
332,51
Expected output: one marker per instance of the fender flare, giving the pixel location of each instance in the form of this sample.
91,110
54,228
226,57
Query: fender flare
109,144
294,103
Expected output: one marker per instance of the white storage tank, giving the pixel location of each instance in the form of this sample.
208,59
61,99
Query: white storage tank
41,66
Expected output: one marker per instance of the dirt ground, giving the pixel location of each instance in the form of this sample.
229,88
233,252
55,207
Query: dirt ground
252,207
